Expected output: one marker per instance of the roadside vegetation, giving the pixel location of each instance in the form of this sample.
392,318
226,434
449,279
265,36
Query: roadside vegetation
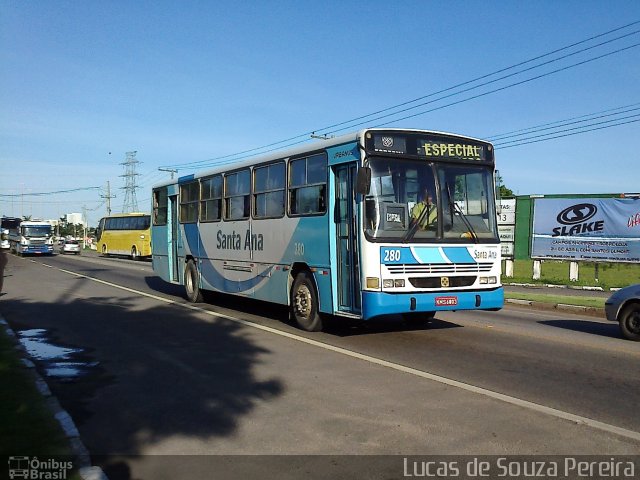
605,275
594,302
27,426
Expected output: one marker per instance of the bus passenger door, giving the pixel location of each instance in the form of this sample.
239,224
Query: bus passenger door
172,241
347,247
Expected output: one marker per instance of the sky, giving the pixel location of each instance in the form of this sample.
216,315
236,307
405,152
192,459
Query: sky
84,82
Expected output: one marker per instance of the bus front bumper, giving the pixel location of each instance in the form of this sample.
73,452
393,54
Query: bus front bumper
375,304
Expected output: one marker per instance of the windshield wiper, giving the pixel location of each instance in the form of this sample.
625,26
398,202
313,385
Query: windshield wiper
414,227
454,206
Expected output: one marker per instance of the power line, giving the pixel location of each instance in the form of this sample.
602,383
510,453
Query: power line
537,77
448,104
559,125
502,78
48,193
498,136
208,162
551,136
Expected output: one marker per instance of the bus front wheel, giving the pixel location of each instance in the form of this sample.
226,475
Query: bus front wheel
191,283
304,303
104,251
134,253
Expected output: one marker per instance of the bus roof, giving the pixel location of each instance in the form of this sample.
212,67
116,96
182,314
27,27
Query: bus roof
132,214
299,150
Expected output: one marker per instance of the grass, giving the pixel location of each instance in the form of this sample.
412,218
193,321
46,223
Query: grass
555,299
27,426
609,275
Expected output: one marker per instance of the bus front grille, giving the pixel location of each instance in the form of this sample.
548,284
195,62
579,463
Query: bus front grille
447,269
436,282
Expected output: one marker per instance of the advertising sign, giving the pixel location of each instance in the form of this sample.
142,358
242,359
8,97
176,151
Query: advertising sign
587,229
507,226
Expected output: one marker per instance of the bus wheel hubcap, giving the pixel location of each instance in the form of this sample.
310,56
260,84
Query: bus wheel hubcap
303,301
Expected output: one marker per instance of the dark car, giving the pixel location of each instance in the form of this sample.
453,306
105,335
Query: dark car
624,307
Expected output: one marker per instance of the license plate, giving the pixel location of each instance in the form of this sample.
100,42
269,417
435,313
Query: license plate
446,301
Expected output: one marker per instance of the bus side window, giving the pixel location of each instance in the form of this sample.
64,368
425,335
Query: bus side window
308,185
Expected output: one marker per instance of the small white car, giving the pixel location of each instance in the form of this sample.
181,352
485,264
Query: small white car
70,246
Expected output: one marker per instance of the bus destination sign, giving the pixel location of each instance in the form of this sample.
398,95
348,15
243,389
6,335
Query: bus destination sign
432,147
452,151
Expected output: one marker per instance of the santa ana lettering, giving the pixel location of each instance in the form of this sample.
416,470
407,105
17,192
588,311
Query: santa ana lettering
234,241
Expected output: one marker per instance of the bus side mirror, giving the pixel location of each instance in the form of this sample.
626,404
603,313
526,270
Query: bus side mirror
363,180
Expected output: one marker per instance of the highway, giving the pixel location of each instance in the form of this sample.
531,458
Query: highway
232,377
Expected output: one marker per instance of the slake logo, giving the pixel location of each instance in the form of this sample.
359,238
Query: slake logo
574,219
577,213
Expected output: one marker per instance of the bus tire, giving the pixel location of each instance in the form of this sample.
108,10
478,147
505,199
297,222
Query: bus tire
304,303
630,322
134,253
104,251
191,284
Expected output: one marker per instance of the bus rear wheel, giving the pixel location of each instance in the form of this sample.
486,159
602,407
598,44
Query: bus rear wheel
304,303
191,284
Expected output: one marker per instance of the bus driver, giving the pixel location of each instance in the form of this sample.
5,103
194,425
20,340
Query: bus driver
424,218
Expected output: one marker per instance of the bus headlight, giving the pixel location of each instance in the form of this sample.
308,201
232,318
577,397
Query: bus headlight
488,280
399,283
142,237
373,282
387,283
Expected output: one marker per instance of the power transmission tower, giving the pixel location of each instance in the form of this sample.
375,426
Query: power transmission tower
130,201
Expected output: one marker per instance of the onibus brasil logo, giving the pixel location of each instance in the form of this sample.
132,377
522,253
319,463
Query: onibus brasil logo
32,468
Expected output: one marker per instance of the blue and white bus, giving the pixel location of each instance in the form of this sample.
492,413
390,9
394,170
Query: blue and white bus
335,227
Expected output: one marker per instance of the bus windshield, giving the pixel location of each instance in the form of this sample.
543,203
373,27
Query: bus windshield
418,201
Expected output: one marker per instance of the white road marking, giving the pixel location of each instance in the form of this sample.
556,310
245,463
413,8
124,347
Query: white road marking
623,432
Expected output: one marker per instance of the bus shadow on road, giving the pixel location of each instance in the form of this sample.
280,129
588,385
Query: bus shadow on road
160,286
164,373
333,325
348,328
610,330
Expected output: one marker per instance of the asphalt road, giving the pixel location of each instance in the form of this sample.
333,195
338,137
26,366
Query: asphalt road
231,378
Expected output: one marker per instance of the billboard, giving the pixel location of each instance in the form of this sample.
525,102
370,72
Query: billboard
587,229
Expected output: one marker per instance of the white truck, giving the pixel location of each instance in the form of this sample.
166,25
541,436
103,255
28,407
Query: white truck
7,223
31,237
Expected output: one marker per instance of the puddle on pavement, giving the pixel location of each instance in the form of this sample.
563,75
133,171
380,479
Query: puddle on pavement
57,361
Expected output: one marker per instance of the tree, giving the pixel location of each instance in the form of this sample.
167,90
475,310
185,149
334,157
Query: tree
504,191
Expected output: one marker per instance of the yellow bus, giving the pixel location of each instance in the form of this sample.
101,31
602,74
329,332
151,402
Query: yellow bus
125,234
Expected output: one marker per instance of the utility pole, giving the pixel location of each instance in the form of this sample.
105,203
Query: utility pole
84,224
170,170
108,196
130,201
